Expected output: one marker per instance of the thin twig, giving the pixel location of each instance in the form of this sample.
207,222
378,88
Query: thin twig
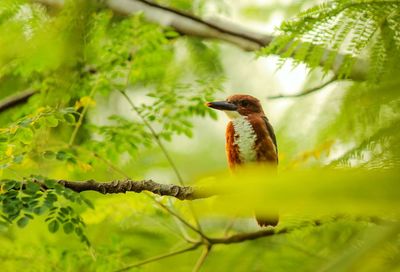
171,228
111,165
96,155
164,150
180,221
266,232
166,154
16,99
184,222
238,238
306,92
181,226
156,138
202,258
159,257
81,116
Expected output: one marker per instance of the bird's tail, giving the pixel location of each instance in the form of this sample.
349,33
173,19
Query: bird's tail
265,221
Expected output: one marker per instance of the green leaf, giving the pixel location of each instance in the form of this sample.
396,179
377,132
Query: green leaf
4,166
64,210
40,210
9,184
50,197
32,187
61,155
53,226
68,227
25,122
36,125
35,196
23,222
68,110
50,183
72,160
88,202
69,118
78,231
25,135
51,121
18,159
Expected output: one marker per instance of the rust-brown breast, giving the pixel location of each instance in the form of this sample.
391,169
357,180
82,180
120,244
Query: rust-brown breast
232,150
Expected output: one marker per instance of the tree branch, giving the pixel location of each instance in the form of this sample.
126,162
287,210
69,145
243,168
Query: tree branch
160,257
238,238
270,231
202,258
191,25
306,92
16,99
187,224
188,24
123,186
156,138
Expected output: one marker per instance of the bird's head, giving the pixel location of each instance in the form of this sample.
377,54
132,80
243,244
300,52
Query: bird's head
238,105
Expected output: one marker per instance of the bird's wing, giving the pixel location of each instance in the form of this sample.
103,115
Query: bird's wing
271,132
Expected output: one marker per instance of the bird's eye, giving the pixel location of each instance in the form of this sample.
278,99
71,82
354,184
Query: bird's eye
244,103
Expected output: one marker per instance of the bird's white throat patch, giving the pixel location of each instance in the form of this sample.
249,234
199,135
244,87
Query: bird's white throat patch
232,114
245,138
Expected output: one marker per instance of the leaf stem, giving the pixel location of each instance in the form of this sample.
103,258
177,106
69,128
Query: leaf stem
184,221
202,258
165,152
305,92
159,257
81,116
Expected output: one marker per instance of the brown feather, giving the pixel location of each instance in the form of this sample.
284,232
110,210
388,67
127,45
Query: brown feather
265,146
232,150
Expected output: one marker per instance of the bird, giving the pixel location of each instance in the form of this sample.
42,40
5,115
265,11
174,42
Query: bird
249,136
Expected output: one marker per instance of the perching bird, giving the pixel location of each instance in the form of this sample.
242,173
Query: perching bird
249,136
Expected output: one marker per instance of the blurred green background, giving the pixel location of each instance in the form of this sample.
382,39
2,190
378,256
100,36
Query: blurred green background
338,145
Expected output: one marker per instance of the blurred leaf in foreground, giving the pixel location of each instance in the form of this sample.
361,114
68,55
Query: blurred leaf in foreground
307,192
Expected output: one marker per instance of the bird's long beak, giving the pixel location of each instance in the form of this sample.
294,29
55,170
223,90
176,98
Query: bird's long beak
222,105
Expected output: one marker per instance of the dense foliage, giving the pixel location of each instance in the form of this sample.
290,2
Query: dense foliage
116,97
338,32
